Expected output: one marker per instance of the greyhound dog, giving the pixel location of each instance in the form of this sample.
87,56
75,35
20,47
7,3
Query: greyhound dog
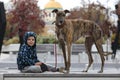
68,31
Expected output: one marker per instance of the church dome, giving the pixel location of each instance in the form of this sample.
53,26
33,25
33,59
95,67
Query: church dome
52,4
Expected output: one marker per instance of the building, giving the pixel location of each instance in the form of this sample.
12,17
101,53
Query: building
49,17
52,4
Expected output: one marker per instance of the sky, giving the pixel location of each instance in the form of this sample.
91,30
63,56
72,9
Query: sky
69,4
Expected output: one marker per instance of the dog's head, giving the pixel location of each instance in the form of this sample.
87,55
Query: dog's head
60,16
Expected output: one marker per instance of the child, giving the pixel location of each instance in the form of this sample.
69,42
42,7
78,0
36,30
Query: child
27,60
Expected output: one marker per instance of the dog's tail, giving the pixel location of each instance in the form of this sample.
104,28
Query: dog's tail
107,53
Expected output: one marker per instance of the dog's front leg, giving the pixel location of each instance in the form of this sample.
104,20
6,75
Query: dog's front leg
68,56
62,44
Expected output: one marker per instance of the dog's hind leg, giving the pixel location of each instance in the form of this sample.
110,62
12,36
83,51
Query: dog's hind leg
98,44
88,45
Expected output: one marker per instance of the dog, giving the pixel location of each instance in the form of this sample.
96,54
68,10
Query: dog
68,31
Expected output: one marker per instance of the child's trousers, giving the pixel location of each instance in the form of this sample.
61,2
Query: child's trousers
38,69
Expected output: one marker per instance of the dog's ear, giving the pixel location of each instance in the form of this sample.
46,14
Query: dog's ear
66,11
55,10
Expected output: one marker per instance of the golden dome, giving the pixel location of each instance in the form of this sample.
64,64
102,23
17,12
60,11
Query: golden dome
52,4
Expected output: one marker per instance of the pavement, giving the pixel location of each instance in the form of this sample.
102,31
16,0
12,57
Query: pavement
78,62
8,68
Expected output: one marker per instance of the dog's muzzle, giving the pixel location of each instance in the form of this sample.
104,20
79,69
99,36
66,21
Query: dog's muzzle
60,23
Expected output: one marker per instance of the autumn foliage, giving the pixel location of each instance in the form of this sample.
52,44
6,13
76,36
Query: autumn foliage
25,16
94,12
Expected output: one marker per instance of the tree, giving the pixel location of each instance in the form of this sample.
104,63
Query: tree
94,12
25,16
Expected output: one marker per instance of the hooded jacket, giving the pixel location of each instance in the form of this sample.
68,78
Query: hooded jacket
27,54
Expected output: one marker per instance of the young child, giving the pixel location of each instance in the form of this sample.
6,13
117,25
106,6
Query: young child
27,60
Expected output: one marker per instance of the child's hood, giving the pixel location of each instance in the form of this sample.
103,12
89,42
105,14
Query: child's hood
29,34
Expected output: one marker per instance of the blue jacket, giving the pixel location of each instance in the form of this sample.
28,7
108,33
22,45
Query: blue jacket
27,55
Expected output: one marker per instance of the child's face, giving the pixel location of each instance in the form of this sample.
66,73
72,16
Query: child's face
31,41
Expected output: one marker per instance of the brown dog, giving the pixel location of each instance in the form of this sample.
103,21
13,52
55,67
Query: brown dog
68,31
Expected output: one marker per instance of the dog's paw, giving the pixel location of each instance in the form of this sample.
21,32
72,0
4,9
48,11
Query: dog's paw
62,70
84,71
101,71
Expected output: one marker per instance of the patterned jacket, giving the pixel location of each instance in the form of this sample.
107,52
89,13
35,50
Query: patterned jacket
27,55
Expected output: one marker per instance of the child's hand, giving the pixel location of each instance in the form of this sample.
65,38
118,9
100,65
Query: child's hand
38,63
